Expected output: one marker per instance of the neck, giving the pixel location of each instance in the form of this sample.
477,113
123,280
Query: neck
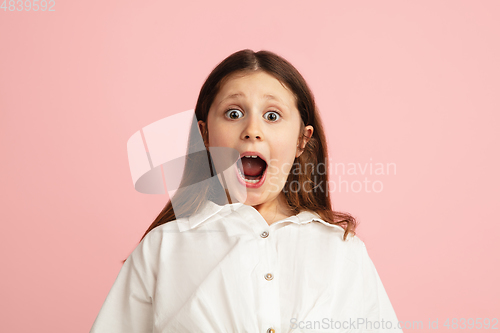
274,210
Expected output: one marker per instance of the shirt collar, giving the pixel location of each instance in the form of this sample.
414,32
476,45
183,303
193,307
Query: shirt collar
210,208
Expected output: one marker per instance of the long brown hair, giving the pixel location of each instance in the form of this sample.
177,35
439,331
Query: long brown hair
305,168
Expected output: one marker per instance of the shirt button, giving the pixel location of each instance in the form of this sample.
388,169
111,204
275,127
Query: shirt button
268,276
270,330
264,234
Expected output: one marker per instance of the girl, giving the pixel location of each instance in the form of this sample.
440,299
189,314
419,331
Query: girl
249,242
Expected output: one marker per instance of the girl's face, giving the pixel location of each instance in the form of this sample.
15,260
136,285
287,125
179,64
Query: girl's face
255,114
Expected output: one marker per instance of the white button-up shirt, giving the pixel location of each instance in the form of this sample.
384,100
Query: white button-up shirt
224,269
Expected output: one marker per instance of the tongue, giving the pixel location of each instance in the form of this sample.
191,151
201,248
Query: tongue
253,166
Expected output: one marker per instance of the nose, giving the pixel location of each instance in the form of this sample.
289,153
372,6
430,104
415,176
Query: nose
252,129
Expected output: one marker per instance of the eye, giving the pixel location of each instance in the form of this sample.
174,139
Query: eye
272,116
234,113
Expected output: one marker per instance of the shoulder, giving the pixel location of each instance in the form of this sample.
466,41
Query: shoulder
334,230
352,247
331,236
155,238
352,242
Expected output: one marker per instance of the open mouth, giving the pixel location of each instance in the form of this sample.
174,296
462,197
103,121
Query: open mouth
251,169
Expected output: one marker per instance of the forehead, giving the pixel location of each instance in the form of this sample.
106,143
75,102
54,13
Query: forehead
255,84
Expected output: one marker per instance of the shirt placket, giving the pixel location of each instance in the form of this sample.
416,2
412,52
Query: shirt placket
267,277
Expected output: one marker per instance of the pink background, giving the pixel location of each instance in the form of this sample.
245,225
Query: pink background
411,83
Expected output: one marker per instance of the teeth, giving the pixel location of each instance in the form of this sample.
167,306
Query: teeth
252,156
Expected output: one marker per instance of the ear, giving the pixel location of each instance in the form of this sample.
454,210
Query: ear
202,126
303,139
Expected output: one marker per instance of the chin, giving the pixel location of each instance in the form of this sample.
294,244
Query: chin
253,199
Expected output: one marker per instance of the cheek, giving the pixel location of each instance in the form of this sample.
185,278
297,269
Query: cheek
287,166
284,157
219,135
287,147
